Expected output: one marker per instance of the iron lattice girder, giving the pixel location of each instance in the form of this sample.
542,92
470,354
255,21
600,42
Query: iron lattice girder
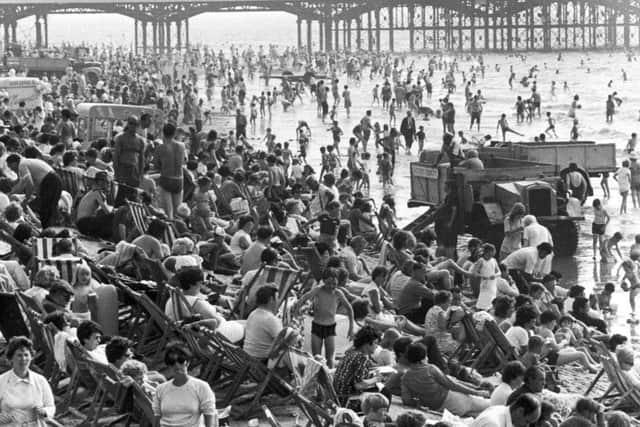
151,10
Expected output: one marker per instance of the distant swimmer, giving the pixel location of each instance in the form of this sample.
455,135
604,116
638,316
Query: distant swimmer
624,75
503,125
631,144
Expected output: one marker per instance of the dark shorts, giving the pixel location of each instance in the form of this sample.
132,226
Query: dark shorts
598,228
323,331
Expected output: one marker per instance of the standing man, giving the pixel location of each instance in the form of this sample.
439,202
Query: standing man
241,124
408,130
366,126
128,160
169,160
36,176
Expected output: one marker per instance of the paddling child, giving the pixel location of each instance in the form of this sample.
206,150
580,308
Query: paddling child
574,135
551,126
326,298
600,221
610,109
606,249
336,133
631,283
503,125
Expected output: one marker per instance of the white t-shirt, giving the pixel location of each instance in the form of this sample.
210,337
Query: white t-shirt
494,416
184,406
396,284
517,336
237,237
261,331
524,259
623,176
534,234
501,394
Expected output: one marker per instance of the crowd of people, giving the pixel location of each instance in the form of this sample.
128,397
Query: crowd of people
215,205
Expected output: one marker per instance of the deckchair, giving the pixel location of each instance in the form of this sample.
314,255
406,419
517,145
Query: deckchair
140,214
77,358
66,266
284,278
149,318
473,343
498,347
601,350
249,368
109,387
620,393
142,409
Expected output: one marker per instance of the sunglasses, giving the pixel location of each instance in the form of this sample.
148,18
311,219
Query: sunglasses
177,359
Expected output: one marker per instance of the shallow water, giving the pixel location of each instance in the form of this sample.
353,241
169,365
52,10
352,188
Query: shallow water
592,88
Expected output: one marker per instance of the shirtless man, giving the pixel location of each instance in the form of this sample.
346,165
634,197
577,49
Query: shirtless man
128,160
170,159
503,125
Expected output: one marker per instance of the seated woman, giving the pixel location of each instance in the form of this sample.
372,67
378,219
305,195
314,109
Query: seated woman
195,303
151,241
217,254
366,225
437,323
352,374
63,333
99,301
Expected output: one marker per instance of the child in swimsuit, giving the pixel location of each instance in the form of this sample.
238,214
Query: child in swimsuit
326,299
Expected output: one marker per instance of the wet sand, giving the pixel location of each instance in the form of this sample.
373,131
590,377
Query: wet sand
590,85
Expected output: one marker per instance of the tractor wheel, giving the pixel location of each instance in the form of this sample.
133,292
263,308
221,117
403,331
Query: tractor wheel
565,238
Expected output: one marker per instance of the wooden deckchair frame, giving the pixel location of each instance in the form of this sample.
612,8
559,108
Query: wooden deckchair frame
498,346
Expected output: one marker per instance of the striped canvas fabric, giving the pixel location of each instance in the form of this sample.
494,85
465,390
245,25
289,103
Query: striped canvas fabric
66,266
43,246
140,214
284,278
72,182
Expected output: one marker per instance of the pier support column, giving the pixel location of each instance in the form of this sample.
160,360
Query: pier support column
370,30
424,26
179,34
144,37
154,26
486,26
359,32
377,13
391,26
348,34
135,36
299,29
45,24
321,35
309,39
336,35
38,32
412,35
168,36
473,33
14,32
7,39
186,34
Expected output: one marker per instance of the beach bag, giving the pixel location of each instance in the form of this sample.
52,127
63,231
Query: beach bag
239,206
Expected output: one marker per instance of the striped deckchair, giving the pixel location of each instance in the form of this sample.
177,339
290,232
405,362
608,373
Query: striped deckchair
72,182
66,266
141,215
284,278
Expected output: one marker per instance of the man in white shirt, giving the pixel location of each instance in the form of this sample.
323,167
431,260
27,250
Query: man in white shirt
534,234
262,325
525,264
523,411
